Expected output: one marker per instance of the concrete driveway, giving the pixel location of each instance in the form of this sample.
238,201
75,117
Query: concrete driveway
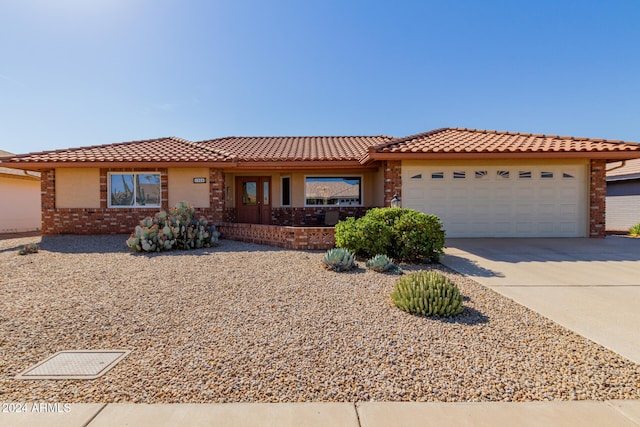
591,286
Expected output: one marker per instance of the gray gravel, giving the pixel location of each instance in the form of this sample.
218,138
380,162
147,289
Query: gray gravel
249,323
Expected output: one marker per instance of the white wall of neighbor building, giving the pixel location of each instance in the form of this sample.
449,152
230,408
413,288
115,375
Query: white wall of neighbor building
20,200
622,212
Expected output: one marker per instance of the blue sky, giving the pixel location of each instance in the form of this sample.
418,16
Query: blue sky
87,72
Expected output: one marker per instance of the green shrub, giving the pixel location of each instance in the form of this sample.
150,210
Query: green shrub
428,293
635,230
338,259
382,263
402,234
178,229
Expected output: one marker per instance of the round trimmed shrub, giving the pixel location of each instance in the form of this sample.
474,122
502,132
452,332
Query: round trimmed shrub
405,235
428,293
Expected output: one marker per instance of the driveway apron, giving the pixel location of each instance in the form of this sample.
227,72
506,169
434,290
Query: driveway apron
591,286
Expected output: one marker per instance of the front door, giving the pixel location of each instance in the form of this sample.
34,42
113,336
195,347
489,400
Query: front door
253,196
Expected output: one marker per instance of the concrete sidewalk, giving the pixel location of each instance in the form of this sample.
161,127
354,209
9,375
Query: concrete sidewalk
590,286
369,414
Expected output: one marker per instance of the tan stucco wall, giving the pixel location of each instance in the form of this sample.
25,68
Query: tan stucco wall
20,199
181,187
77,188
373,185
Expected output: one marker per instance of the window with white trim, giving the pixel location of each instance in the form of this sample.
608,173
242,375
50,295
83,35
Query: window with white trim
134,189
332,191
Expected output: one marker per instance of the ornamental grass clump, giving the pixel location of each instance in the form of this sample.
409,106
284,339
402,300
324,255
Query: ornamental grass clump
635,230
338,259
382,263
428,293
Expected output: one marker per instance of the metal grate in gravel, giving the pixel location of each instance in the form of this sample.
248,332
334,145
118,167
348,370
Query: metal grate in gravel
74,365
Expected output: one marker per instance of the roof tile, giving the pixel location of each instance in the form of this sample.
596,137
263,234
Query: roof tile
463,140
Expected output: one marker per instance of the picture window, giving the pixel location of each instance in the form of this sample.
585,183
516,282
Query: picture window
134,189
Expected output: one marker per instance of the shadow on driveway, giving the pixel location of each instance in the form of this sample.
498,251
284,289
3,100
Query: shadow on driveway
611,248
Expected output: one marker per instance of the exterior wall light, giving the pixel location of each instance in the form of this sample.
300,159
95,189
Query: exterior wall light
395,202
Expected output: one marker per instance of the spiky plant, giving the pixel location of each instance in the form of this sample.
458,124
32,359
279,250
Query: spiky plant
635,230
338,259
382,263
428,293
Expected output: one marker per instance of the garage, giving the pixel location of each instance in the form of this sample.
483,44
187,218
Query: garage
514,199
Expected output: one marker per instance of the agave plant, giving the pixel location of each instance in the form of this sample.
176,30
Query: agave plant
339,259
382,263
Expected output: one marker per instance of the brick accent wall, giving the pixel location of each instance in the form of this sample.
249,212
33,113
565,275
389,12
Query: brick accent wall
392,180
597,199
105,220
298,238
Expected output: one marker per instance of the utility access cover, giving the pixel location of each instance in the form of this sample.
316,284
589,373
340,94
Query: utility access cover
74,365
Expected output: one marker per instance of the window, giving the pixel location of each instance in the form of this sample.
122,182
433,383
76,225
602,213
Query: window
546,175
134,189
524,174
286,191
567,175
437,175
503,174
333,191
482,174
459,175
419,176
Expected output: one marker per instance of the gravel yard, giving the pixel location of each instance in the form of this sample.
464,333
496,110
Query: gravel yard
249,323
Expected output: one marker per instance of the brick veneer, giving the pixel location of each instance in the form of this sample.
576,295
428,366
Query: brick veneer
597,198
299,238
392,180
105,220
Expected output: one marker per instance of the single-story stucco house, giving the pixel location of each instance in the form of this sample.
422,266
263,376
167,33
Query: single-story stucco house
20,196
480,183
623,195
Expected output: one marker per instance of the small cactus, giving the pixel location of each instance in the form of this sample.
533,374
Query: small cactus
428,293
382,263
30,248
339,259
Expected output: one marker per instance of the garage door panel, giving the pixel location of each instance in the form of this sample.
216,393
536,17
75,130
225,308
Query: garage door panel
518,201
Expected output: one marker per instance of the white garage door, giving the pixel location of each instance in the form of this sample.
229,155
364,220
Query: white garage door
500,201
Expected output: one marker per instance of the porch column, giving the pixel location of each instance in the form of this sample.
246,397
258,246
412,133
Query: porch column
392,180
597,198
216,194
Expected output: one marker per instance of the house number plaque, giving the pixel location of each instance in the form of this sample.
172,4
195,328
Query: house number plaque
199,180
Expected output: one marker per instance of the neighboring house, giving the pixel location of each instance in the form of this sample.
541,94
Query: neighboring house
623,195
20,199
480,183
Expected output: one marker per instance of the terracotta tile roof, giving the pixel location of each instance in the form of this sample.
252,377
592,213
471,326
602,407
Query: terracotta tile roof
169,149
463,140
295,148
630,169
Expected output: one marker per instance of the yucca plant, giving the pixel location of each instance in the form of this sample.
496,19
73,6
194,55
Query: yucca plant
635,230
382,263
428,293
338,259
